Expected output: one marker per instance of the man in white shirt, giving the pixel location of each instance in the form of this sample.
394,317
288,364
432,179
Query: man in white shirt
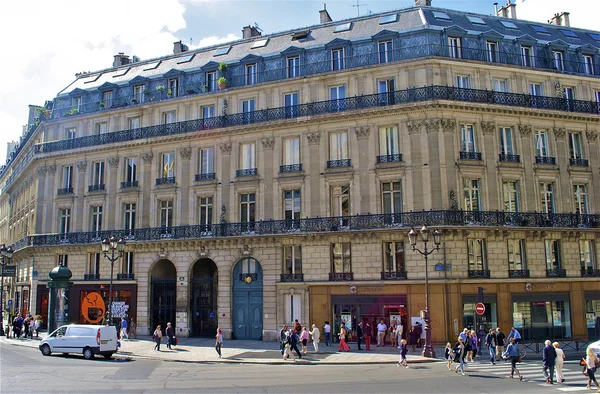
327,331
381,329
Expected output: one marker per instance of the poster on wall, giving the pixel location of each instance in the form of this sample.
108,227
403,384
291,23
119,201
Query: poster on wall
347,320
518,320
590,318
557,317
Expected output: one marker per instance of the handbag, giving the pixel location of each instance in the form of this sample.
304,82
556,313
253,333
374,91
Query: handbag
519,360
585,371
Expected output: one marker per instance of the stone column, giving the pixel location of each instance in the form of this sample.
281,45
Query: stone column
432,171
49,193
225,177
79,191
528,160
450,156
414,131
185,172
315,205
362,164
268,197
563,204
489,202
147,179
112,187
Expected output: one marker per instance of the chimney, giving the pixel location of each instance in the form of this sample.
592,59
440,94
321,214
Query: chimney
512,10
561,19
325,17
421,3
496,9
120,60
250,31
178,47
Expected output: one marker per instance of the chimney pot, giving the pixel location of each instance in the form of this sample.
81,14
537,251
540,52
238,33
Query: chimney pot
120,59
324,15
250,31
178,47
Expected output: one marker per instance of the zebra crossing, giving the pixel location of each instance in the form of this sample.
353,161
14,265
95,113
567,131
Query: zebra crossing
532,372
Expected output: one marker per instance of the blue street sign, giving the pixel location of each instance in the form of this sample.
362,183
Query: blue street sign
9,303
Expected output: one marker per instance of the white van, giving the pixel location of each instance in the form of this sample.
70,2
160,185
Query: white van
81,338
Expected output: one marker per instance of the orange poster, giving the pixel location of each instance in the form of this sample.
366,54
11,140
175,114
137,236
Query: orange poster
92,307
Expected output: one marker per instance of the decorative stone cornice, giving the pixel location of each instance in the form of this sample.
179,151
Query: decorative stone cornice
414,127
268,143
113,162
40,172
148,157
525,130
432,125
51,169
225,148
488,127
82,166
185,153
559,132
362,132
314,138
448,125
591,135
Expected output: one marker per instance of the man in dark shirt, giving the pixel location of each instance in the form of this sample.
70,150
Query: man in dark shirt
490,341
499,343
548,357
359,333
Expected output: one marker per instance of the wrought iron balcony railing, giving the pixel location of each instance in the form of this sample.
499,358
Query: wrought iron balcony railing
126,276
246,172
394,275
128,184
483,274
470,155
65,190
509,158
165,181
292,278
556,273
545,160
590,273
341,276
579,162
518,273
96,188
344,163
205,177
291,168
91,276
395,158
404,220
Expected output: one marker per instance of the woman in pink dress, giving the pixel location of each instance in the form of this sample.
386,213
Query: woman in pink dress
343,345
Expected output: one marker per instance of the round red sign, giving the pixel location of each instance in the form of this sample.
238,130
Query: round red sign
480,309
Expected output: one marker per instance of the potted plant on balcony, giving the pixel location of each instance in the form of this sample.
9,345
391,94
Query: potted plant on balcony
134,100
160,89
74,111
101,105
222,68
222,82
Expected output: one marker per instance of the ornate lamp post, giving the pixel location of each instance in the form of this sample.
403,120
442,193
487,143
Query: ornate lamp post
112,245
412,238
6,254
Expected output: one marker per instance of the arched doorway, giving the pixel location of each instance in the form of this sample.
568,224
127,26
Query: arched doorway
163,294
247,299
203,290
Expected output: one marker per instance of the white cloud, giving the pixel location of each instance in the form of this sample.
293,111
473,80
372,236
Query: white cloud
583,14
213,40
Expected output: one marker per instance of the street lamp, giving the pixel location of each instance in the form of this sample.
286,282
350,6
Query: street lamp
428,350
6,254
112,245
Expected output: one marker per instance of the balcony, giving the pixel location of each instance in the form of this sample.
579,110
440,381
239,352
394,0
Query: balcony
129,184
394,275
590,273
579,162
96,188
128,276
292,278
91,276
290,168
344,163
165,181
395,158
205,177
518,273
479,274
341,276
556,273
470,155
545,160
246,172
510,158
65,190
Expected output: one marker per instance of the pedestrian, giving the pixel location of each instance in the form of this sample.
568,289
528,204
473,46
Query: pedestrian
548,359
468,347
316,337
294,342
500,337
591,362
157,337
287,353
490,341
15,326
25,330
170,334
512,352
297,326
412,334
399,330
304,340
464,334
367,332
381,330
403,350
474,345
419,333
219,341
132,331
459,355
282,338
393,333
342,336
359,333
449,354
558,363
38,323
124,333
327,332
514,334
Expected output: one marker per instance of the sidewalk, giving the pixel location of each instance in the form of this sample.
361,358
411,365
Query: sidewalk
201,350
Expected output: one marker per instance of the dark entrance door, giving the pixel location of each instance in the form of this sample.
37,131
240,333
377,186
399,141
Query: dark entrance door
163,294
247,299
203,301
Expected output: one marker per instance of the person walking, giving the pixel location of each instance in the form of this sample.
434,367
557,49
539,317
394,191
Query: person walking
327,332
31,327
304,340
591,362
316,337
558,363
412,335
403,350
157,337
512,352
367,332
548,359
342,335
500,337
132,330
170,334
294,337
449,355
124,333
459,355
381,330
419,334
514,334
282,338
287,346
393,333
219,341
490,341
399,331
469,347
359,334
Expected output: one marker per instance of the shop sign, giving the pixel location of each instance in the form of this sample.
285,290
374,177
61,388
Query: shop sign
93,307
9,270
119,309
366,289
539,286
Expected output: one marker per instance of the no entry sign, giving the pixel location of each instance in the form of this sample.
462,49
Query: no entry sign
480,308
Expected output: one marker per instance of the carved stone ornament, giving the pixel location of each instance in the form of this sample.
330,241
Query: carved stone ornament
268,143
203,253
82,166
148,157
162,254
246,251
225,148
314,138
362,132
413,127
525,130
432,125
51,169
488,127
40,172
591,135
113,162
185,153
559,132
448,125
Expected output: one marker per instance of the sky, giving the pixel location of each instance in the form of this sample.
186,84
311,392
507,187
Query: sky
45,42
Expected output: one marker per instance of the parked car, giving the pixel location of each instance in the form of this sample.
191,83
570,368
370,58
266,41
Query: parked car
88,340
596,347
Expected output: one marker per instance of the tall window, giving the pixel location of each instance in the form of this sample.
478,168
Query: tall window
67,177
129,217
553,258
511,196
559,60
597,96
169,117
138,93
385,51
467,138
76,103
247,156
455,47
248,106
64,224
391,196
205,209
247,208
293,66
506,141
541,143
536,89
167,163
463,81
211,81
527,56
292,259
569,93
588,64
492,51
206,162
389,141
575,146
477,254
134,123
501,85
94,264
338,146
471,194
98,173
341,258
291,151
166,213
208,111
250,74
101,128
337,59
516,254
107,98
71,133
127,265
587,254
340,200
393,257
291,104
338,93
581,200
131,170
96,218
173,87
291,204
386,86
547,197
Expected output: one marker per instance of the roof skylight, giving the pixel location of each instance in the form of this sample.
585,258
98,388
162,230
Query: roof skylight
259,43
150,66
508,25
185,59
299,35
569,33
388,19
440,15
476,20
94,79
342,27
540,29
595,36
222,51
122,72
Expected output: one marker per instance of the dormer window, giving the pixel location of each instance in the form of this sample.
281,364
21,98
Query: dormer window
527,55
588,64
559,60
492,51
76,103
173,87
107,98
293,66
454,47
138,93
337,59
250,74
385,51
211,81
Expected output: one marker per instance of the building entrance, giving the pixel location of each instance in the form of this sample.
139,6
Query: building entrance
163,292
247,299
204,282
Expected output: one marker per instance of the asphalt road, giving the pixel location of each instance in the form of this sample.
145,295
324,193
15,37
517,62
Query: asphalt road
24,370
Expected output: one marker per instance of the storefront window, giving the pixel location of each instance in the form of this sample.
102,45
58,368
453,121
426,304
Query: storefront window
592,317
540,320
472,320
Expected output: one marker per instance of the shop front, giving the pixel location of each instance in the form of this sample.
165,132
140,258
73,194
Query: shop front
592,314
472,320
542,316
